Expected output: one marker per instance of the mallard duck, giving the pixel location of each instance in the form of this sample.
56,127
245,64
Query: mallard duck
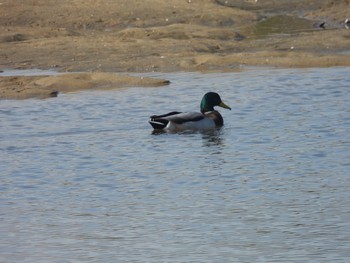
206,119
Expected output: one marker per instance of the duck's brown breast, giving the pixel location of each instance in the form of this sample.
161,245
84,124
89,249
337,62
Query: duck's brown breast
216,117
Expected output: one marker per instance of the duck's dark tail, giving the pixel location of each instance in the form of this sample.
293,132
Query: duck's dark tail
159,122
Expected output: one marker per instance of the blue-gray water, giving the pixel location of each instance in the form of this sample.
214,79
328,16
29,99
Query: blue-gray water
83,179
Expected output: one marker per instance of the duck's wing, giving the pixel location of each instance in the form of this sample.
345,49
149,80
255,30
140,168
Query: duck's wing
184,117
164,115
177,118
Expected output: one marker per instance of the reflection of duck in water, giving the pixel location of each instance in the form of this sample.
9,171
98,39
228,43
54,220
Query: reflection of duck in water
206,119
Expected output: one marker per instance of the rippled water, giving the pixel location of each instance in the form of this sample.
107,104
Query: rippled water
83,179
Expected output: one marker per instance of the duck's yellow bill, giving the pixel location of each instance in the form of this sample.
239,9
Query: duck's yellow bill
223,105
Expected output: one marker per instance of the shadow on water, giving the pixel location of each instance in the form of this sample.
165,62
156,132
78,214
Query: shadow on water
209,132
213,138
210,138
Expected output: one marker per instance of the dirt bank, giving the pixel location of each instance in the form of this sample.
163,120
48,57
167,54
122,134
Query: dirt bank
23,87
186,35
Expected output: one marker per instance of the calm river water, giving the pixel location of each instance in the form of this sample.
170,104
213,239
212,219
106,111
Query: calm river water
83,179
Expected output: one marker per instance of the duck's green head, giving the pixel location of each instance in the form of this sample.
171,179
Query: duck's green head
210,100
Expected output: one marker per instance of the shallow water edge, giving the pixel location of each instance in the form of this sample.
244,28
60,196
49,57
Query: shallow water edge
18,84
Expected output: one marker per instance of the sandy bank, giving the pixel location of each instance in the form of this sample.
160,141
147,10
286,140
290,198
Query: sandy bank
23,87
180,35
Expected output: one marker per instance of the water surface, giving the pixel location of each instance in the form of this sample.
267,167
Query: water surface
83,179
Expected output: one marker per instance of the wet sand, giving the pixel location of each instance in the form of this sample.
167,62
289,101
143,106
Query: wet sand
24,87
94,36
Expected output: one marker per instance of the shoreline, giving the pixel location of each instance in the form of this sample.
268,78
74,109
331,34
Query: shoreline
201,36
47,86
